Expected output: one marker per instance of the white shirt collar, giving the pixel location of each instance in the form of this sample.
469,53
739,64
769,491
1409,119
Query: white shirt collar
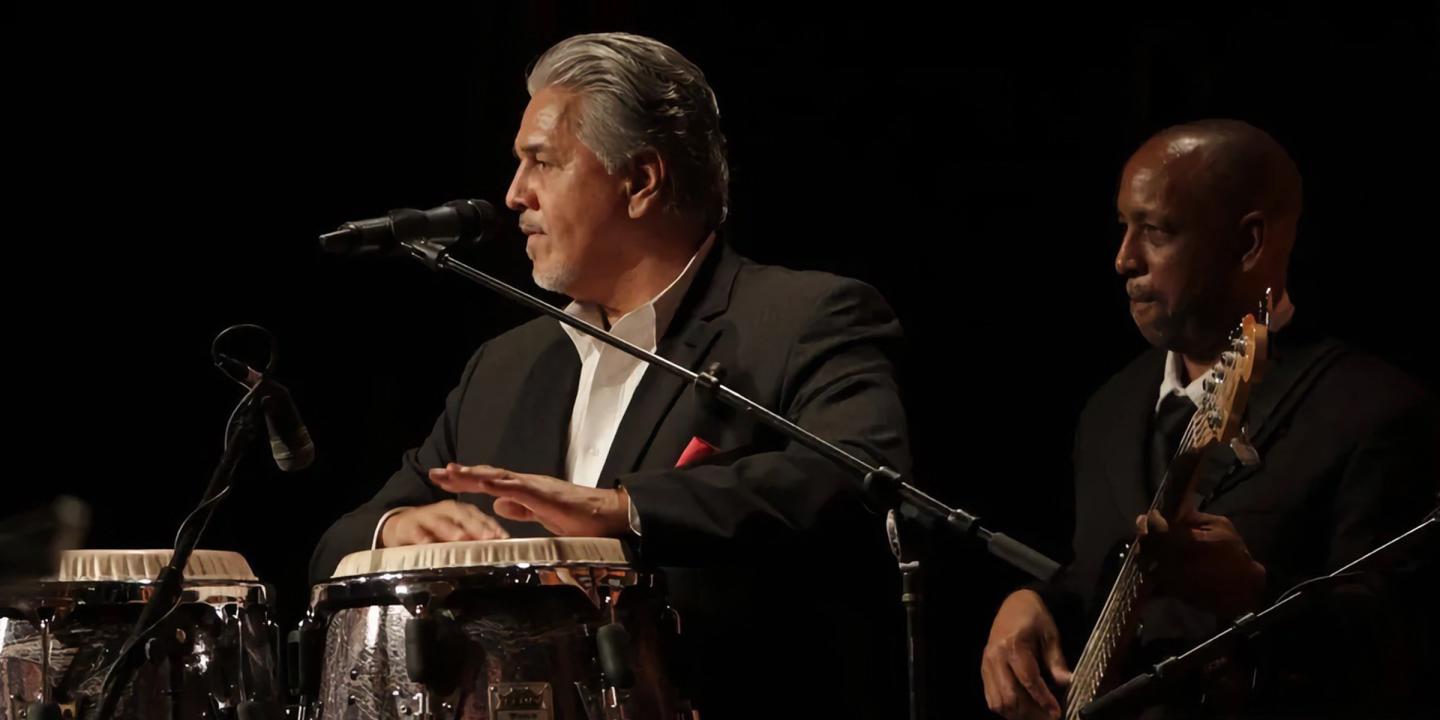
645,325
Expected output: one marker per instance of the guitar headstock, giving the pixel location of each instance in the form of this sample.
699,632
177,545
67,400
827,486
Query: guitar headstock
1240,366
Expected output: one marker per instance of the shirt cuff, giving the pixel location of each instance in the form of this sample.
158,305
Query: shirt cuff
375,541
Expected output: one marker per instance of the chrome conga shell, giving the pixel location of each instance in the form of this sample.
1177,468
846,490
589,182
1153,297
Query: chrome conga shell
525,642
215,650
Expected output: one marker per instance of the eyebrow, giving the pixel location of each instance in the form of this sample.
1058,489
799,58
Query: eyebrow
532,149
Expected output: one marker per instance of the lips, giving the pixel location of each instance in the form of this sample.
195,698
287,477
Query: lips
1140,296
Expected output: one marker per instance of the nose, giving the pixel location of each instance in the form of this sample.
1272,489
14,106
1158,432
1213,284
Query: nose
1128,260
520,196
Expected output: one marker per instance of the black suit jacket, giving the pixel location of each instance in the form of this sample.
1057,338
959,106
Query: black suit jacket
1348,450
779,569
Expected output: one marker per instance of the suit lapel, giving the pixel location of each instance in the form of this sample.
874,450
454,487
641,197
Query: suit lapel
1126,460
539,430
686,343
1299,355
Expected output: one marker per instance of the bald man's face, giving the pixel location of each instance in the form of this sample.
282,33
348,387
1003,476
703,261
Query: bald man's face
1177,255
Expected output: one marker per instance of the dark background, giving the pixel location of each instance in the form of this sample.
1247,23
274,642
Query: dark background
168,170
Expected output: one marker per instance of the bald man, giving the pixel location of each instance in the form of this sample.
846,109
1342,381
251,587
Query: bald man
1346,452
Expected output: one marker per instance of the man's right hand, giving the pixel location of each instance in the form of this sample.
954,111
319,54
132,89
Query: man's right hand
445,521
1021,638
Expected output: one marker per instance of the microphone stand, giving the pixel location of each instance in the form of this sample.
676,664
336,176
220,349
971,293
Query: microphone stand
167,587
883,483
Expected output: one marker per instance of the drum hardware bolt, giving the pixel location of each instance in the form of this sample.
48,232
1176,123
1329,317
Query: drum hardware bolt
154,650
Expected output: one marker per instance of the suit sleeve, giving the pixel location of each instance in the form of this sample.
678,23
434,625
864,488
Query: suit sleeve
1066,592
1379,633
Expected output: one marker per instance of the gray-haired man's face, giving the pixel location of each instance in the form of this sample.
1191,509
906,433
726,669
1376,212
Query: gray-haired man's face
568,203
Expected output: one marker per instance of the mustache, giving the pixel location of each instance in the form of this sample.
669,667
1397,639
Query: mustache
530,226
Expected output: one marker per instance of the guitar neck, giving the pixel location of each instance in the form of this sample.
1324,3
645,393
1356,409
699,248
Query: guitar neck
1105,650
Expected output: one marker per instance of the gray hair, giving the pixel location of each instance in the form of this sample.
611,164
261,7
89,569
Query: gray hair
641,94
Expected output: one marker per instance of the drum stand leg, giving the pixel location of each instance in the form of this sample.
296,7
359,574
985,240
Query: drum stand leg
44,708
45,660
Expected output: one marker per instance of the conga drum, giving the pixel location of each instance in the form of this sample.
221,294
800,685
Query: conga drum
213,655
518,629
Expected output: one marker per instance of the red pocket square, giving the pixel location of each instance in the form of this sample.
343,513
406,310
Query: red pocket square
696,451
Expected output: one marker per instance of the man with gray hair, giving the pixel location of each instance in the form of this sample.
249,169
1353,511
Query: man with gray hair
621,190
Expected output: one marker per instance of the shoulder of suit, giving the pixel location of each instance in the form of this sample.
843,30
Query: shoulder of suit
520,341
539,330
1363,388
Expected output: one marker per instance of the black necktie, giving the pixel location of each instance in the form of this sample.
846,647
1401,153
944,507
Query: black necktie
1166,432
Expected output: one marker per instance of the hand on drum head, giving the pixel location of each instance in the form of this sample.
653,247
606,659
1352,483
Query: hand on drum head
446,521
564,508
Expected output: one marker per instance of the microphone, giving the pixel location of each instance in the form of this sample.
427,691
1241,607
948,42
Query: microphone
290,442
455,221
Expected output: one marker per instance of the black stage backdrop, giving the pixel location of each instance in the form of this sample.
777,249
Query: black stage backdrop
168,171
